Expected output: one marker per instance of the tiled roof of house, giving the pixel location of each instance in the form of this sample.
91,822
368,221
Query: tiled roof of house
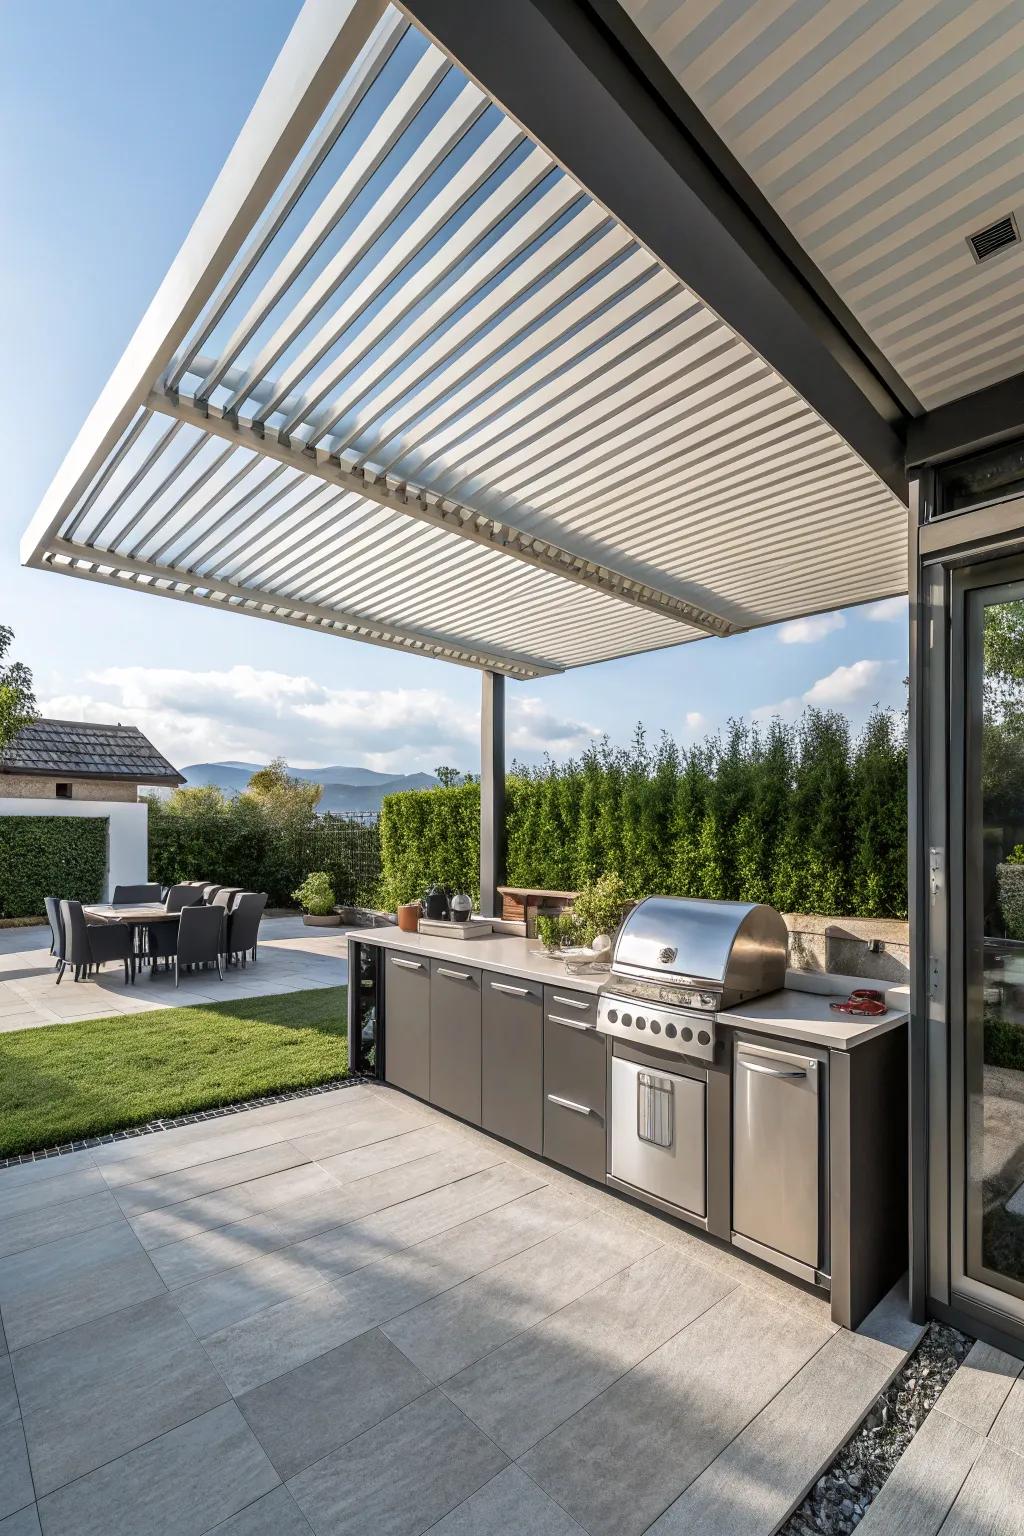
75,749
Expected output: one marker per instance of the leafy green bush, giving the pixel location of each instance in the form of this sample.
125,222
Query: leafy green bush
316,894
63,856
801,816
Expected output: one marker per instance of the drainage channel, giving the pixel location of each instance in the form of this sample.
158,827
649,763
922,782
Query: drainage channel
843,1494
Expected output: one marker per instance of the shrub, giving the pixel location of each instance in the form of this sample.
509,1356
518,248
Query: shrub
63,856
1010,880
316,894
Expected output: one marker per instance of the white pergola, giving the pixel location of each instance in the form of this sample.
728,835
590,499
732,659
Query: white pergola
408,382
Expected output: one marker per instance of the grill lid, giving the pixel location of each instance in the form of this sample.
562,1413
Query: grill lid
739,946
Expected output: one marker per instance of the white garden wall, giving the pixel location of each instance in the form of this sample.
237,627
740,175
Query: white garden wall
127,838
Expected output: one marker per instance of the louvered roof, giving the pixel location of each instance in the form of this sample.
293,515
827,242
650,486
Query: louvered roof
78,749
407,382
883,132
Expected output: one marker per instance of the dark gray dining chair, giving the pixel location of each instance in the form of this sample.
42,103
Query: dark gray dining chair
199,939
89,944
244,925
56,928
209,892
226,896
131,895
181,896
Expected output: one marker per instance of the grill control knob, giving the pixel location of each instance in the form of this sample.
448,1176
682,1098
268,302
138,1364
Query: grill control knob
687,1032
670,1031
612,1015
641,1023
627,1019
655,1027
704,1038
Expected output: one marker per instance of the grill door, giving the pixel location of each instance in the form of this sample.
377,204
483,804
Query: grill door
659,1134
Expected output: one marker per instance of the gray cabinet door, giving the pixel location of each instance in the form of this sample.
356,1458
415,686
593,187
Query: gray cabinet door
575,1079
407,1023
455,1039
512,1060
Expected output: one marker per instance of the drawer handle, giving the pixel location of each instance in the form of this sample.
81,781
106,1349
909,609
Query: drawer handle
556,1018
455,975
407,965
577,1109
501,986
571,1002
753,1066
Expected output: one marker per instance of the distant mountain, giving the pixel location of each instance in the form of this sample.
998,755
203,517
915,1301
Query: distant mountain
345,789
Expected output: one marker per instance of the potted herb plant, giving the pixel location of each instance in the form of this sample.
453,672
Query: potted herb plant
316,898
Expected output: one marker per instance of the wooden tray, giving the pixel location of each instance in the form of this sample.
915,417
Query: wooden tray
472,928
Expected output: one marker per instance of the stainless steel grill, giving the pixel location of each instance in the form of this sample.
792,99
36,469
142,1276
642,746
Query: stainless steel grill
678,963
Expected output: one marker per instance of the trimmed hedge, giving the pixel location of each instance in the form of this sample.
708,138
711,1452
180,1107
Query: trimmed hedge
801,816
41,856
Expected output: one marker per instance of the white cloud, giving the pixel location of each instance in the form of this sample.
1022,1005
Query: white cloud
695,719
841,689
807,631
887,611
243,713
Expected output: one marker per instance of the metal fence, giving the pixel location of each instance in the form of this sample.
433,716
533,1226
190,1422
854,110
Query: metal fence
348,848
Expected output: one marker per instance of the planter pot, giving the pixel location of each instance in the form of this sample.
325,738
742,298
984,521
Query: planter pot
332,920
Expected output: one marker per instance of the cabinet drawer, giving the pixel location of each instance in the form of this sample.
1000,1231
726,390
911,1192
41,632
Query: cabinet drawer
565,1006
455,1039
512,1060
575,1084
407,1023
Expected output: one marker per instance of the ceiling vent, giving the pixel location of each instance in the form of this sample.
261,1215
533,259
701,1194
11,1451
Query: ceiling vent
994,238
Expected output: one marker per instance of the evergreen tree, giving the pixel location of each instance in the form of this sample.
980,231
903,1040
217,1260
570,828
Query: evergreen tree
879,817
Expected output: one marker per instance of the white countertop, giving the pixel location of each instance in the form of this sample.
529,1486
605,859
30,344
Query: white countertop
800,1011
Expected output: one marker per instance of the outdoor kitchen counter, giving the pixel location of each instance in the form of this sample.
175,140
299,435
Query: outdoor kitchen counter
505,953
799,1014
796,1013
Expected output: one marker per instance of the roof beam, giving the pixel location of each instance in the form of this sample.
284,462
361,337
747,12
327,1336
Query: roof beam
74,559
969,425
442,512
322,46
562,69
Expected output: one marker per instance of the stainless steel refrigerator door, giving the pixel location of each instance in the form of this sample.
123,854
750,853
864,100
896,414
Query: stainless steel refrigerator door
776,1152
659,1134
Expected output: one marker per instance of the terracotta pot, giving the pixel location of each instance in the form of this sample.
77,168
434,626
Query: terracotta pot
409,917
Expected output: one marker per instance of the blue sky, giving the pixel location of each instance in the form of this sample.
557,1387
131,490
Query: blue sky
115,118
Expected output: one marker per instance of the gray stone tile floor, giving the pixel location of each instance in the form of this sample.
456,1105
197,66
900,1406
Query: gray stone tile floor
350,1314
290,957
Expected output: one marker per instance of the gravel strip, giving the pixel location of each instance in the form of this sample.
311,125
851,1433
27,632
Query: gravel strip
841,1496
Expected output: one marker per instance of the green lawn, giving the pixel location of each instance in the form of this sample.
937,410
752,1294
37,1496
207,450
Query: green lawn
63,1082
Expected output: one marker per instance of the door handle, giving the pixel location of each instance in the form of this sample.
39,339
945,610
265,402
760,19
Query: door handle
455,975
752,1066
407,965
556,1018
500,986
570,1002
577,1109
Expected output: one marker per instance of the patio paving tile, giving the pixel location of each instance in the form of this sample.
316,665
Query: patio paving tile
10,1412
98,1391
1008,1428
30,1228
448,1333
280,1338
232,1295
764,1473
275,1514
28,1195
301,1416
24,1523
509,1503
183,1483
16,1488
619,1462
400,1477
531,1385
367,1124
407,1147
62,1284
150,1194
423,1216
42,1170
978,1390
991,1501
221,1248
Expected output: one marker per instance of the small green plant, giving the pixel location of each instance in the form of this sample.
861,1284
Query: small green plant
316,894
1016,855
600,907
547,929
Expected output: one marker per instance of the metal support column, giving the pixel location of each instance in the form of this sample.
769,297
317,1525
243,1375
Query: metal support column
492,791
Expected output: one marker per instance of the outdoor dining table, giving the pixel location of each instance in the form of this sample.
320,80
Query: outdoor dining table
134,914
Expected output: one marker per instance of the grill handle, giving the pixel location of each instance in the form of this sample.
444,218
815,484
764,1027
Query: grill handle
655,1109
